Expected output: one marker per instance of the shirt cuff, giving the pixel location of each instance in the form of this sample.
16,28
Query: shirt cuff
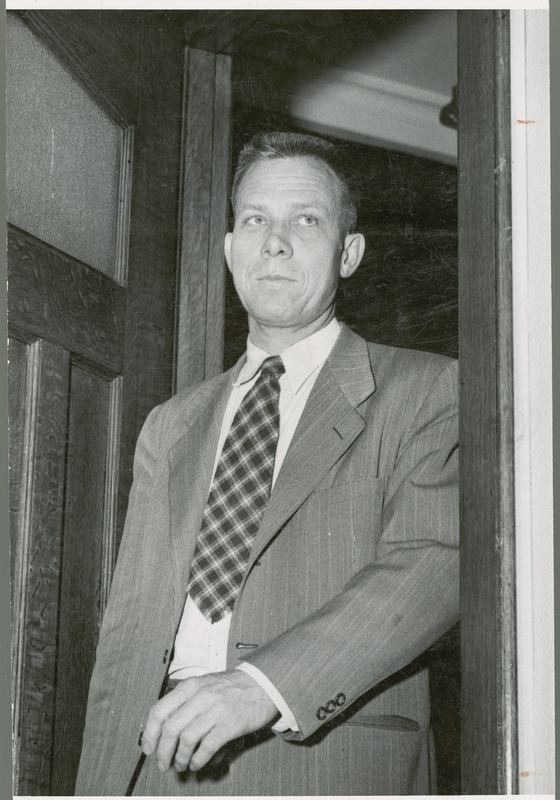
287,721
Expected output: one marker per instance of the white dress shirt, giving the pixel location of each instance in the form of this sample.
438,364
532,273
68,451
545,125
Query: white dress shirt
200,645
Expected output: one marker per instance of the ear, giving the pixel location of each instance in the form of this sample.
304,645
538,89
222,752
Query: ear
354,246
227,249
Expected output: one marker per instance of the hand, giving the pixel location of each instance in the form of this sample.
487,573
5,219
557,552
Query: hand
190,724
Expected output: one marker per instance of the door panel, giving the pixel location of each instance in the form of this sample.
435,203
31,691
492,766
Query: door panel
66,441
87,547
37,537
86,349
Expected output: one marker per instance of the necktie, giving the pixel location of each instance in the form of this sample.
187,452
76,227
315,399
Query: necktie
238,497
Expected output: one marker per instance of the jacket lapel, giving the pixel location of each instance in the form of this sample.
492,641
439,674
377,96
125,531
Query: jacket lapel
327,428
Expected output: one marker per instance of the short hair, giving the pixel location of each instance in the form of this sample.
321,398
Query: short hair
281,144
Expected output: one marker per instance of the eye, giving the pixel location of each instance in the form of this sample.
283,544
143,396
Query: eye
308,220
255,219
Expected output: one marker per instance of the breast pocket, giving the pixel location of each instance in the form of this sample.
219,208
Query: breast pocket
350,516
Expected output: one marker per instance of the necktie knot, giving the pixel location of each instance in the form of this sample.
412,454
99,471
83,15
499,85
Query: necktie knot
272,367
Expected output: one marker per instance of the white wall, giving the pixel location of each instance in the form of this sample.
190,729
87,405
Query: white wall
533,397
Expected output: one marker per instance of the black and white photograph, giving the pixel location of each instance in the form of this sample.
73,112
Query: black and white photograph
280,400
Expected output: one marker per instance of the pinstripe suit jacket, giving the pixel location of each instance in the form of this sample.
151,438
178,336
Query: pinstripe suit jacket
354,572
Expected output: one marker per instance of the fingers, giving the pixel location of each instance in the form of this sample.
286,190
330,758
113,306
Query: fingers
161,712
191,723
197,745
185,727
191,726
178,723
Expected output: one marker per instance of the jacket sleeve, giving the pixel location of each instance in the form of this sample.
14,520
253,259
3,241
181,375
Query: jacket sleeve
395,607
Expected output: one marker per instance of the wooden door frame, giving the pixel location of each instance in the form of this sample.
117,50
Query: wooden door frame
488,635
505,362
205,173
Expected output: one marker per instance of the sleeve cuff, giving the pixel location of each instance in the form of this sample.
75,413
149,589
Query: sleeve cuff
287,720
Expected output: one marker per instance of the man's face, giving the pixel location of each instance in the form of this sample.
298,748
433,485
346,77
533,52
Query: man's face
286,252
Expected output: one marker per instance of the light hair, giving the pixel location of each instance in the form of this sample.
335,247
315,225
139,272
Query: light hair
281,144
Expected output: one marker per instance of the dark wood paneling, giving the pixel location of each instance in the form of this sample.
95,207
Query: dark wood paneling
56,297
82,567
197,187
204,216
488,572
152,274
215,302
39,556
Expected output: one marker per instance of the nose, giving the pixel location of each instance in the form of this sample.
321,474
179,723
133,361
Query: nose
277,243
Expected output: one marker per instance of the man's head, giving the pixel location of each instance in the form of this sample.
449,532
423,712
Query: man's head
291,241
281,144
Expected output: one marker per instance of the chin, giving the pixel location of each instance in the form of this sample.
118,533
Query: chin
274,315
277,320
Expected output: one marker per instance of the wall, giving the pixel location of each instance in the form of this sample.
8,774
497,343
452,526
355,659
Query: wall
533,398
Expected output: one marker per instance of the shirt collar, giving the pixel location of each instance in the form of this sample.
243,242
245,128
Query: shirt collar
300,360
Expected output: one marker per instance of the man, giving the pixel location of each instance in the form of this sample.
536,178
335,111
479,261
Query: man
291,542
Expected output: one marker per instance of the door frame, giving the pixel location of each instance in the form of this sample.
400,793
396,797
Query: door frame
506,403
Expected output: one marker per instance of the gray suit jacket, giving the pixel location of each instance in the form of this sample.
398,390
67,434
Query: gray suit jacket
353,573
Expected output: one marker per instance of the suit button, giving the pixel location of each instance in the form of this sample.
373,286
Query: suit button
331,706
321,713
140,738
165,656
340,699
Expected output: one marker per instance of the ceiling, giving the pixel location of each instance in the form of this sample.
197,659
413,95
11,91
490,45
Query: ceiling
376,77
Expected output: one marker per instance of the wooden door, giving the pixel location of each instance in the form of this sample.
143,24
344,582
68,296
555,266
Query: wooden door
90,354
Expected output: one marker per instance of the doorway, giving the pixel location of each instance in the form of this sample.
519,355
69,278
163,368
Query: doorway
116,57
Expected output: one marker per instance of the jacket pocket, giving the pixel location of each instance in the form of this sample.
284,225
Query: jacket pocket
387,722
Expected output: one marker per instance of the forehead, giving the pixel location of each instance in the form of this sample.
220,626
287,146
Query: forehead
300,179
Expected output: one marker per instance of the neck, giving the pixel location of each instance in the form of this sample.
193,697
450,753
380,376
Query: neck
274,340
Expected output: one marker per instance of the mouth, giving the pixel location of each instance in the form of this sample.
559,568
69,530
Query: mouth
276,278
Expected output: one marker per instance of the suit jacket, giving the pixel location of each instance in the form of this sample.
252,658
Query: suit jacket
353,574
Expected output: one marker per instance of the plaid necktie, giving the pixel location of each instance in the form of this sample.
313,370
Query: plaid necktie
238,497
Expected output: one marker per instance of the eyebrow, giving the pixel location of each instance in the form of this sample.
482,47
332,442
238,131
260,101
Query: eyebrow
313,204
300,206
252,207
